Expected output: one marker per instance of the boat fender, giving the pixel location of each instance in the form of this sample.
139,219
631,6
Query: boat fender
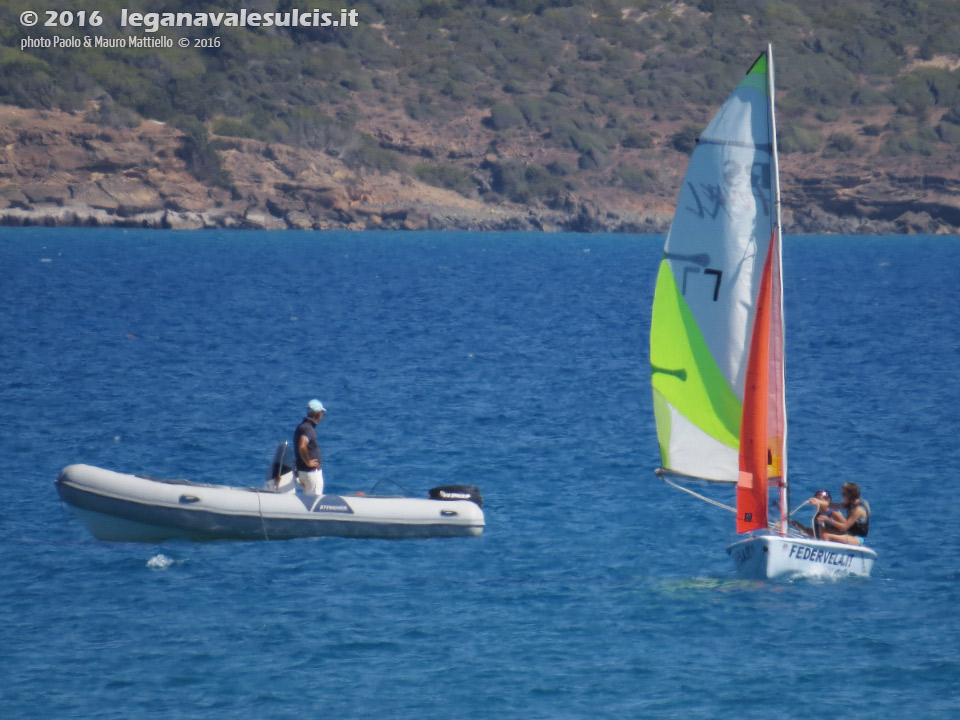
457,492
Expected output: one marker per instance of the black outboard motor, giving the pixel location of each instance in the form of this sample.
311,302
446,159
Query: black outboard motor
282,463
457,492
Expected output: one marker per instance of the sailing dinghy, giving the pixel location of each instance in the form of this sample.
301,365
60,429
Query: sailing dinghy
138,508
717,339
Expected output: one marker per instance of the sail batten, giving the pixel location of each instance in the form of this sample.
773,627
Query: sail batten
716,336
768,148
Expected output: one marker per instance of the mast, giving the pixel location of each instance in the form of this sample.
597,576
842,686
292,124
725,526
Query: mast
763,421
784,485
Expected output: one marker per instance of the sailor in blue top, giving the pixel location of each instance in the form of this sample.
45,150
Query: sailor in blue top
822,500
309,459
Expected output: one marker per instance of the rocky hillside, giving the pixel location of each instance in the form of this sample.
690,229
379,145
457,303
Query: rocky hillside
58,169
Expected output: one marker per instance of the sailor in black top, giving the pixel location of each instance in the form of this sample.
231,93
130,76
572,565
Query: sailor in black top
853,528
309,459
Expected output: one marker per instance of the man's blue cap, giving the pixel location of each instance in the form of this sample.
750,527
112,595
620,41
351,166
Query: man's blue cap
316,406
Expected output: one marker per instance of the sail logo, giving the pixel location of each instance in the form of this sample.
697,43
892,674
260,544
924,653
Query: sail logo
819,555
741,187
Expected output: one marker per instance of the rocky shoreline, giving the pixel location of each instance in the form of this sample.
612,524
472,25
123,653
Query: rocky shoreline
587,218
57,170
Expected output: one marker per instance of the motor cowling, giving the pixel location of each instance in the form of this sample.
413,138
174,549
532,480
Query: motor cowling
457,492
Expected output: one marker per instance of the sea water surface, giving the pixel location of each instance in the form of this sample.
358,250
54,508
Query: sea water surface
514,362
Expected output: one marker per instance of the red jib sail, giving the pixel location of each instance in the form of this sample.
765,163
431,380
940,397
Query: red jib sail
762,422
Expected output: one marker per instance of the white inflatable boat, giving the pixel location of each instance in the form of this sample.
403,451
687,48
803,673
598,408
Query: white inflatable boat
138,508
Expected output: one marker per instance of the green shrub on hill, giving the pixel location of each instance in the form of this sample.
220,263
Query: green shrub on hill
228,127
577,134
840,144
447,177
524,183
907,145
685,139
638,180
202,160
949,133
109,114
504,116
796,138
637,138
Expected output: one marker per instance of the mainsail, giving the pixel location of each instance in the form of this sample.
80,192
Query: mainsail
716,336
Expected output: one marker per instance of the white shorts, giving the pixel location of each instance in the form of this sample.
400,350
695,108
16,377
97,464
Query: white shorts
311,481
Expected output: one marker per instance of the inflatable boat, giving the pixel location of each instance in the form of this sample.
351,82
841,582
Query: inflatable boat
137,508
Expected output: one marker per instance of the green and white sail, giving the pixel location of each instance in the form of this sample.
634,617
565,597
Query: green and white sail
708,283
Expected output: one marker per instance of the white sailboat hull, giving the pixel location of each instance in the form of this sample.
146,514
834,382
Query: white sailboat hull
764,556
130,508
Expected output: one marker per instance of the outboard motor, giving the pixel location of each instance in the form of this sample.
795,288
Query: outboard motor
280,475
283,461
457,492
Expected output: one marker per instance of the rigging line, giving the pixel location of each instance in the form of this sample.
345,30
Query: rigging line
697,495
263,523
388,480
63,509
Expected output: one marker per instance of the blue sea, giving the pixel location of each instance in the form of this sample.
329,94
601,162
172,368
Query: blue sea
514,362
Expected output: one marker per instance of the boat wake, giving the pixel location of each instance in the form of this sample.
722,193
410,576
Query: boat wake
160,562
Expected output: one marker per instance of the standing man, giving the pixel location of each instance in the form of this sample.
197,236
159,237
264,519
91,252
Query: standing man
309,473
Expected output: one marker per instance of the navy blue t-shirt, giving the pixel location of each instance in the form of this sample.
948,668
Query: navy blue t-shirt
308,428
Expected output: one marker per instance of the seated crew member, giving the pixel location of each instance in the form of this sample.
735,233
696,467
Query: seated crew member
852,526
822,499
